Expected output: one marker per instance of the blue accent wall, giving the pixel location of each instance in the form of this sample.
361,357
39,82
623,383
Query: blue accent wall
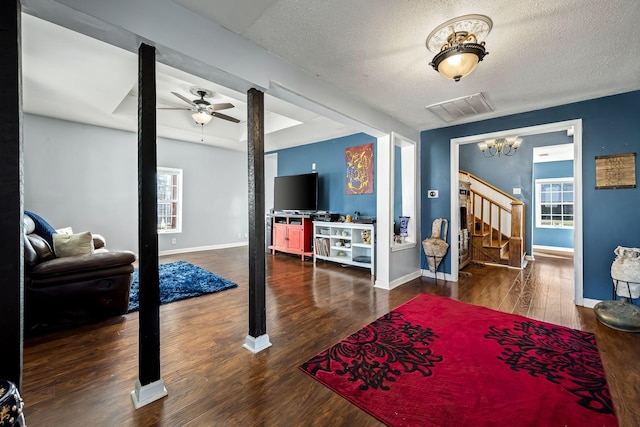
509,172
610,126
329,157
561,169
544,236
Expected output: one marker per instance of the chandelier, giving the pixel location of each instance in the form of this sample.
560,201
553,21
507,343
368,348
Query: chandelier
458,45
500,146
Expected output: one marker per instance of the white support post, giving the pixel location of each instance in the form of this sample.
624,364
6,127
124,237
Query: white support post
143,395
257,344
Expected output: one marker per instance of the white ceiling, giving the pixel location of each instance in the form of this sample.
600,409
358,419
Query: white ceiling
542,53
70,76
552,153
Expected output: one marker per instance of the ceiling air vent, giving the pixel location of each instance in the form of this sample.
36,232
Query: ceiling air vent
458,108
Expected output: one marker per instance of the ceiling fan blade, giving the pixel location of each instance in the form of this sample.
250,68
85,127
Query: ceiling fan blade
223,106
174,108
187,100
225,117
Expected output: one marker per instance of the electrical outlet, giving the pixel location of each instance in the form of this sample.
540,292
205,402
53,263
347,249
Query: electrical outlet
246,235
432,194
239,235
174,241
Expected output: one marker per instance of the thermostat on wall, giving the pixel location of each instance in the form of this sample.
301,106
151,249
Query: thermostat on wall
432,194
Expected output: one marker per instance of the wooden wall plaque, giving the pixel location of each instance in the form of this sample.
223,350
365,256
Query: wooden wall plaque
616,171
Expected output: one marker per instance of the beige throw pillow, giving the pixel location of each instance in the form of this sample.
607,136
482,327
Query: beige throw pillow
72,244
66,230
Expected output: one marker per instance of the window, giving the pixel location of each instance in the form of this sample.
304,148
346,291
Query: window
169,200
554,203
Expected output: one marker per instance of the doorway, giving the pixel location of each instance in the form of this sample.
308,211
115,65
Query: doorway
576,127
552,196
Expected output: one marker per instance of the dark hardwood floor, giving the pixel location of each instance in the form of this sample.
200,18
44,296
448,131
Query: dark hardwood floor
84,376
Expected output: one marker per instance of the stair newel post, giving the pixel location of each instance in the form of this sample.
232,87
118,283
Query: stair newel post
516,242
491,222
499,227
482,213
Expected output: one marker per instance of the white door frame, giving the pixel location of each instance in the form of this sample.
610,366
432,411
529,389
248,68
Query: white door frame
576,125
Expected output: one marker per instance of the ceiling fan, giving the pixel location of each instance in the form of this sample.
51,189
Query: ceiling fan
203,110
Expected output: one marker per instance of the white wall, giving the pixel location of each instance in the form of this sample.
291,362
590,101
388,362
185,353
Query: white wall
86,177
192,43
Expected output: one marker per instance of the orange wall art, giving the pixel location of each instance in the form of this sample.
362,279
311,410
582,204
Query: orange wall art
359,169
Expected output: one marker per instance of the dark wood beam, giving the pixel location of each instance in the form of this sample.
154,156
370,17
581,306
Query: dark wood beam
149,332
11,194
255,149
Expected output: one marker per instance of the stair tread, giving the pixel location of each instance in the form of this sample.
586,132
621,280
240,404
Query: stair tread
486,233
496,246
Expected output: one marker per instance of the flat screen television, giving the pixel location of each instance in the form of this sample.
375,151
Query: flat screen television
296,193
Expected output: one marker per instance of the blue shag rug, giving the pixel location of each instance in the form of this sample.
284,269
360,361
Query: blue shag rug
181,280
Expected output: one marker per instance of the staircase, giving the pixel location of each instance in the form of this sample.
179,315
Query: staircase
497,224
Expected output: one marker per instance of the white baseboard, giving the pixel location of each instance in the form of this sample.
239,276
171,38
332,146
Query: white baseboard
397,282
439,276
590,303
257,344
143,395
553,248
203,248
381,284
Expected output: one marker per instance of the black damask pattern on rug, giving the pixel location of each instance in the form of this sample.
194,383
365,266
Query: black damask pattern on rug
566,357
380,352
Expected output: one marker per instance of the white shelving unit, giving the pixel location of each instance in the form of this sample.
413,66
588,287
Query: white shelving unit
342,242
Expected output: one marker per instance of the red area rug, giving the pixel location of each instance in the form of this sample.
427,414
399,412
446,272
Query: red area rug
438,362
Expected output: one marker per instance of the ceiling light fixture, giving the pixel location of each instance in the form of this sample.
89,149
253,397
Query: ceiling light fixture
201,117
459,45
500,146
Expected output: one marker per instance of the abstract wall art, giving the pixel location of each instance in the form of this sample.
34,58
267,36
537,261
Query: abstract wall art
359,162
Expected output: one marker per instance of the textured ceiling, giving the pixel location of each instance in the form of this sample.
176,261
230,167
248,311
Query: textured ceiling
541,53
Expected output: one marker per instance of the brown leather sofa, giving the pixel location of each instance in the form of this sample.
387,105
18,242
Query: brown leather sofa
61,291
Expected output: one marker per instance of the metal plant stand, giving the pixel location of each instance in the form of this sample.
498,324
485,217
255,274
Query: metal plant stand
435,261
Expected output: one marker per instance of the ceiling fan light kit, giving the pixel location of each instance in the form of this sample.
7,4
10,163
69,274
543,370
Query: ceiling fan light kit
202,117
203,110
459,45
